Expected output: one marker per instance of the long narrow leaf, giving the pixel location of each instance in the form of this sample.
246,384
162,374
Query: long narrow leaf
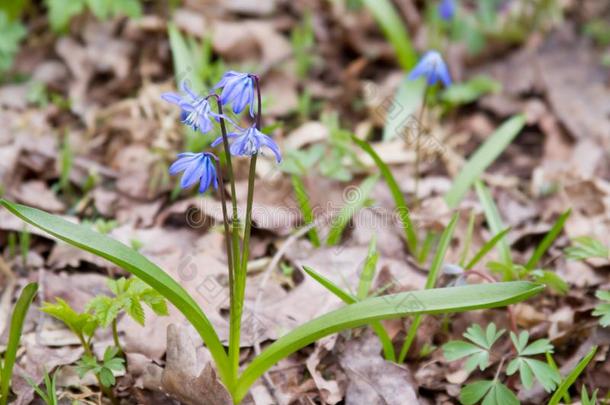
435,269
184,65
354,202
384,338
388,19
494,221
303,200
433,301
482,158
19,313
571,377
399,198
399,117
548,240
133,262
486,248
368,270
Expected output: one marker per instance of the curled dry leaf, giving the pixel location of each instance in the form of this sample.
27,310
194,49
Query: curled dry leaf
184,379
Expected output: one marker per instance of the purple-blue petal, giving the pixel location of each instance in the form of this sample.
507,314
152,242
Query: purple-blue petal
173,98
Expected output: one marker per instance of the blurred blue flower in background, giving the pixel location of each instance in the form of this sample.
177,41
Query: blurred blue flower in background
249,142
433,68
196,110
197,167
446,9
237,90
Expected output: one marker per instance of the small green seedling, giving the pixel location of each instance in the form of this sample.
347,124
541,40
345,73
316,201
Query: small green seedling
586,247
105,369
11,34
103,311
49,394
478,352
603,310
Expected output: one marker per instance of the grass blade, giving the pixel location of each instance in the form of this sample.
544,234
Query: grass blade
19,313
433,301
399,198
384,338
393,28
548,240
482,158
433,274
184,65
300,194
485,249
468,238
354,202
494,221
133,262
567,382
368,270
399,118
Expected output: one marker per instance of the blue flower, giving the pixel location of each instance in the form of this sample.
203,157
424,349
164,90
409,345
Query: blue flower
249,142
446,9
237,90
196,110
197,167
433,68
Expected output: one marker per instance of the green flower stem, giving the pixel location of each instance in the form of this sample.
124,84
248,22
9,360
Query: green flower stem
233,255
420,122
242,268
225,218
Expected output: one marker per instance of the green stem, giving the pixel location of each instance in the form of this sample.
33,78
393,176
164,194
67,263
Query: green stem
107,391
115,337
232,257
242,269
420,132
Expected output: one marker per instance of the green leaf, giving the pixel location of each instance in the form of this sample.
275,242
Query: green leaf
394,29
62,11
184,64
302,197
471,90
17,319
81,324
399,198
354,201
104,308
478,353
584,397
11,33
384,338
530,368
495,393
432,301
551,279
548,240
106,377
435,269
567,382
486,248
399,114
603,309
133,262
586,247
368,270
482,158
484,339
473,393
495,223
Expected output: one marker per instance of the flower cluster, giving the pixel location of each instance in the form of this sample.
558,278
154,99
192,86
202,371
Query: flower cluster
238,91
